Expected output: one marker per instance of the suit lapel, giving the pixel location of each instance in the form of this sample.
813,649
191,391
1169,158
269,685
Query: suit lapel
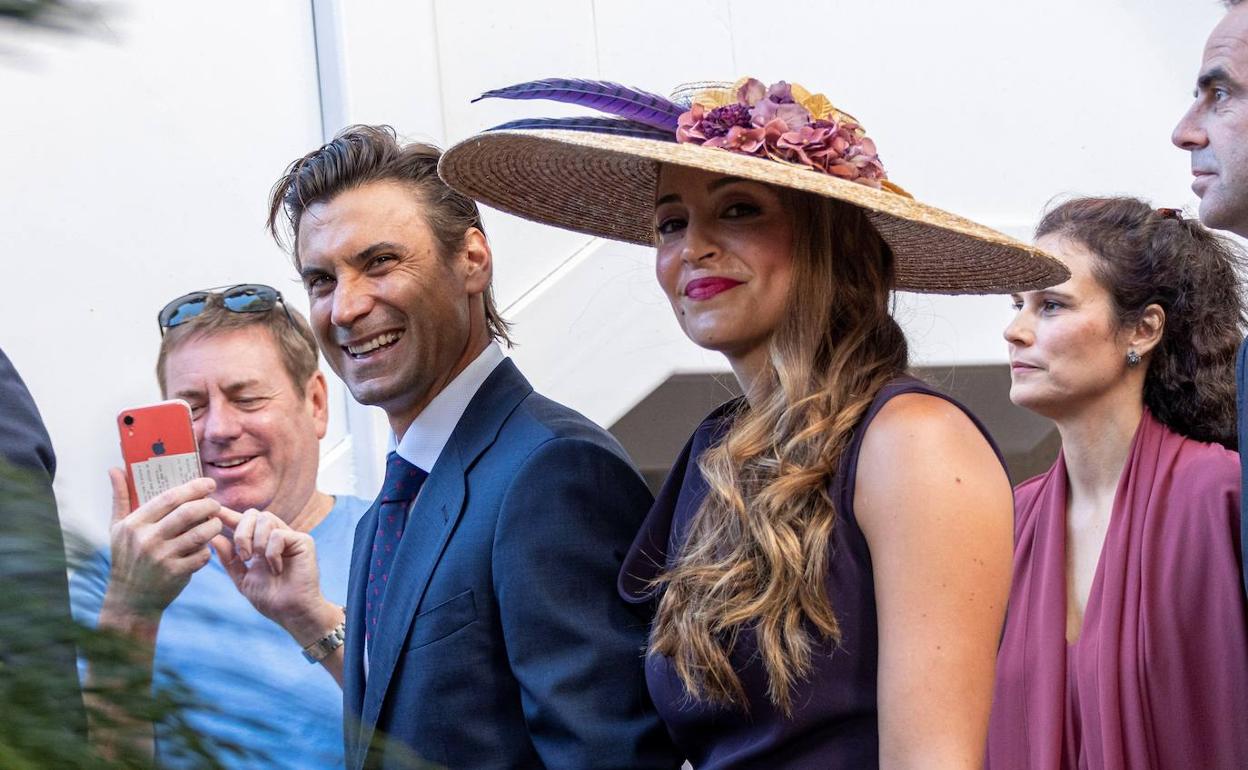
425,536
430,526
353,651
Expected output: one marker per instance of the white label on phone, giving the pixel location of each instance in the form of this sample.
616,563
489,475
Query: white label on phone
154,476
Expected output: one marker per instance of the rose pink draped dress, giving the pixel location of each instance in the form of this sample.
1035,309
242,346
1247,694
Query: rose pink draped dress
1158,677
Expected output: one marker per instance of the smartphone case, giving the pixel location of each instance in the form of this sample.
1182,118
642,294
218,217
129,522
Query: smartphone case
158,446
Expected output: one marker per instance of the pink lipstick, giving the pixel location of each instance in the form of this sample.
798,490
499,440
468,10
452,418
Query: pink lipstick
705,288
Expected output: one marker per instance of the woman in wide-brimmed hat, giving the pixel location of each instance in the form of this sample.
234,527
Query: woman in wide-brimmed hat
830,557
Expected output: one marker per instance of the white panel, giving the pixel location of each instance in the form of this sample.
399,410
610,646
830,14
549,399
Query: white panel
487,45
991,108
139,169
390,65
954,330
633,51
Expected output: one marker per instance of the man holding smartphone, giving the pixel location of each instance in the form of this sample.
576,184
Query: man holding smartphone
247,366
483,626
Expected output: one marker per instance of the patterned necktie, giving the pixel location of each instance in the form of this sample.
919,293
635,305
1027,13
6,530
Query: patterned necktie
402,483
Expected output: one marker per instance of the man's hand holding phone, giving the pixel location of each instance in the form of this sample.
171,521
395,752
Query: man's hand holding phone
163,517
156,548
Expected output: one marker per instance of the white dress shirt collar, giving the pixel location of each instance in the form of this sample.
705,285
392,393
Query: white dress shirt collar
427,435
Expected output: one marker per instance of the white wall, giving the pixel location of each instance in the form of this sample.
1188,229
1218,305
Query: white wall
137,162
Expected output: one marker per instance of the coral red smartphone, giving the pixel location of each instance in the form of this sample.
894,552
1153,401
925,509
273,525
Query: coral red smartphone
158,445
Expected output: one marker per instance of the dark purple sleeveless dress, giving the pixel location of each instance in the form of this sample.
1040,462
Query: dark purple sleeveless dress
834,722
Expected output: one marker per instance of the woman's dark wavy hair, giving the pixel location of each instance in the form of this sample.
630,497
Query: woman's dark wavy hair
1146,257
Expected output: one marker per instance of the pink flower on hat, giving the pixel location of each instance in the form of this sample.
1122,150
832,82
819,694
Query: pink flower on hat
783,122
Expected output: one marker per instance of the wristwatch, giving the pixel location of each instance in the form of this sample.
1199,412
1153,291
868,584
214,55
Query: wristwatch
318,650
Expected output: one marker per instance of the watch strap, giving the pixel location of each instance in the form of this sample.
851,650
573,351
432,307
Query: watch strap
321,648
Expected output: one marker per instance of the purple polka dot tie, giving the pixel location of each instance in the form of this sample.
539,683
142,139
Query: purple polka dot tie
402,482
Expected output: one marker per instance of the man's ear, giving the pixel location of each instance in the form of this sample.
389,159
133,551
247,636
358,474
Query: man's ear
317,393
477,262
1147,332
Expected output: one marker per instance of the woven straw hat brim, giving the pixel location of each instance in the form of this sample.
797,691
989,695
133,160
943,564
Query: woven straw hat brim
605,185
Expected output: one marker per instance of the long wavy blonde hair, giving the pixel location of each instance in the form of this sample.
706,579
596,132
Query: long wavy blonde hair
756,555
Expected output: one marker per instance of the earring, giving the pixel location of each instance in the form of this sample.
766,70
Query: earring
1133,358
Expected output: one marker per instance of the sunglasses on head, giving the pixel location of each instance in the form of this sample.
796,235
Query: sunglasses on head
242,298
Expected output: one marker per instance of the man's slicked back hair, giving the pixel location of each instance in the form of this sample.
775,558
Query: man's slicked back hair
360,155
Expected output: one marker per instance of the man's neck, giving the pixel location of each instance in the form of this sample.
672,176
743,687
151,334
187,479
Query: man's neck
312,513
402,420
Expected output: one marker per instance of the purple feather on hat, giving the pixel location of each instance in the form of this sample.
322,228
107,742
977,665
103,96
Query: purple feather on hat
613,126
631,103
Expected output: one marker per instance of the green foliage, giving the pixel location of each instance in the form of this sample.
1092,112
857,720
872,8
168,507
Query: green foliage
62,15
42,717
31,10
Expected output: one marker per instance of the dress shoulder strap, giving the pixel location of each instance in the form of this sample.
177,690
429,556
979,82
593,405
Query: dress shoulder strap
842,485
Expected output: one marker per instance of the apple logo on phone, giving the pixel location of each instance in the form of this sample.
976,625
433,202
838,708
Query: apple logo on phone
158,448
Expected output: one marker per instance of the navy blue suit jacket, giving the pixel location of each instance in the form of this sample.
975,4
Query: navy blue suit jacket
32,556
24,442
503,642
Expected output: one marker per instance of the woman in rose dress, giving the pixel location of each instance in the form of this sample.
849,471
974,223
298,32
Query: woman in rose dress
1126,643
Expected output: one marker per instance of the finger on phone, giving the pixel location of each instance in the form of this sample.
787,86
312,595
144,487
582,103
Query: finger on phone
160,505
187,516
198,536
192,562
121,494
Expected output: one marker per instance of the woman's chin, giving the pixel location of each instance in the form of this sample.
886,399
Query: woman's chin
729,348
1032,402
728,339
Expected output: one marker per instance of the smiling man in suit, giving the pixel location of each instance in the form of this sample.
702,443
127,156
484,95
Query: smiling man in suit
483,628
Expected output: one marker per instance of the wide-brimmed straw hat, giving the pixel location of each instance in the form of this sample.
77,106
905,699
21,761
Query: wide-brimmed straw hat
599,175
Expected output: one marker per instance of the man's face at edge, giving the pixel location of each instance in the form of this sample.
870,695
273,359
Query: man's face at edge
1215,128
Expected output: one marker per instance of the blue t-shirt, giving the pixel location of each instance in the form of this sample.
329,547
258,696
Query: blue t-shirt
257,690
